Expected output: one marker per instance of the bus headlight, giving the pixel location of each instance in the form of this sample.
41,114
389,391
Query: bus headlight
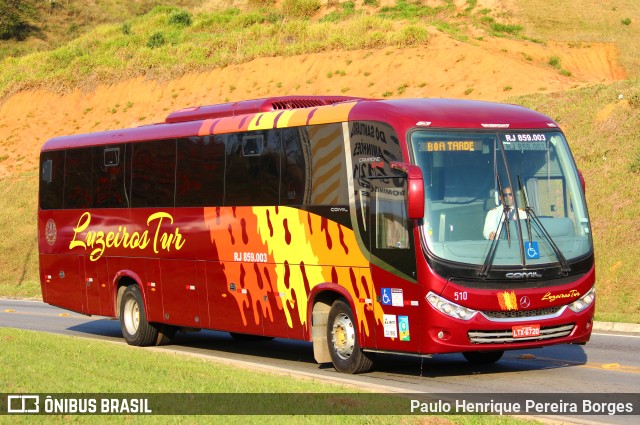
449,308
585,301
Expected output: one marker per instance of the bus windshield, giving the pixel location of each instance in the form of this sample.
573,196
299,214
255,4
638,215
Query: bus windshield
509,198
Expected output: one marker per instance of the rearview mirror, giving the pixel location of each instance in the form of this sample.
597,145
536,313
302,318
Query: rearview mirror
582,182
415,188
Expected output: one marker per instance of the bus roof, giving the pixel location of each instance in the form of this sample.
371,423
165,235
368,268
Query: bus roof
290,111
453,114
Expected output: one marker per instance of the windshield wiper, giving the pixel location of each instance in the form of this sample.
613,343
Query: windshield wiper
488,261
531,213
526,206
504,218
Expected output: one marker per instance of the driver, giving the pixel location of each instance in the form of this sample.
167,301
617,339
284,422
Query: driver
494,215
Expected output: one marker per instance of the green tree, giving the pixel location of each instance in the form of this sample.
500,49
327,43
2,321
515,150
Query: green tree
15,16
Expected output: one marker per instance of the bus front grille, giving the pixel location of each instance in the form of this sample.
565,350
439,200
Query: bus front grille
519,314
506,335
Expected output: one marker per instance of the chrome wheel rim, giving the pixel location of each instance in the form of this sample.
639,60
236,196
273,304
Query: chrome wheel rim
131,316
343,336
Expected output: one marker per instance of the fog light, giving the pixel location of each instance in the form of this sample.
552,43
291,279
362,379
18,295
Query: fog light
441,335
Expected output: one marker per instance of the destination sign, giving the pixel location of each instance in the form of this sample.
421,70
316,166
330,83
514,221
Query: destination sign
525,142
453,145
525,146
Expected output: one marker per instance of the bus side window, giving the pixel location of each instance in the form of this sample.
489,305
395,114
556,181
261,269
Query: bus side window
381,195
390,225
390,222
252,173
328,169
47,170
200,171
153,174
294,186
52,180
77,178
110,189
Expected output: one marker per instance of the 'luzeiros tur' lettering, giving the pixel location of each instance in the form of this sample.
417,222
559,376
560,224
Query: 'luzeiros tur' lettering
99,240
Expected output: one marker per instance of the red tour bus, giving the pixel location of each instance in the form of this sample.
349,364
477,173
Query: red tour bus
413,226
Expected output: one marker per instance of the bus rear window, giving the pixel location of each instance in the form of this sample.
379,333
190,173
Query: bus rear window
51,180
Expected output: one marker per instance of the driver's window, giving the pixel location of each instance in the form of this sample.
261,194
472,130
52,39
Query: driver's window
391,222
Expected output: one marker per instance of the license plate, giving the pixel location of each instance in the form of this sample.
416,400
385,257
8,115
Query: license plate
525,331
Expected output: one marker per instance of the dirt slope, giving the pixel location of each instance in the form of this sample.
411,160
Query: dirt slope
488,69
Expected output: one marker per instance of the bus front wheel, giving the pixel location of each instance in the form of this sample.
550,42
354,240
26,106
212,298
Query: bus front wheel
133,321
342,337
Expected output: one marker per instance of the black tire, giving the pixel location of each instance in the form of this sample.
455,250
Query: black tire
133,320
342,339
483,357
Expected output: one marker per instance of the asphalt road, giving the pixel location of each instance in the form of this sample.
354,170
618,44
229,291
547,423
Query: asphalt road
609,363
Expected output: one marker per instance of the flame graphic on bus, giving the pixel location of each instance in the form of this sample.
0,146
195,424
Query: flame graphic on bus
508,300
302,250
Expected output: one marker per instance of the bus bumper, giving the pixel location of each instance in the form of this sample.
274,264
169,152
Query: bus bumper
449,335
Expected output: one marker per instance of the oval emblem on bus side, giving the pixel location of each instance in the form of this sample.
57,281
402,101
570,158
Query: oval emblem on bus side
50,232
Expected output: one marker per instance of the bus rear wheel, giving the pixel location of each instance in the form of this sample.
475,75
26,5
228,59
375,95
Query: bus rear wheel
483,357
342,336
133,321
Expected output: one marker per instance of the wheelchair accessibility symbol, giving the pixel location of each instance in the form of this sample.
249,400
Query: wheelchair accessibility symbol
532,251
386,296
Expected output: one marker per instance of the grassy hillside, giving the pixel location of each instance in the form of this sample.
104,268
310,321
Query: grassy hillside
614,21
19,243
169,41
602,124
46,25
602,121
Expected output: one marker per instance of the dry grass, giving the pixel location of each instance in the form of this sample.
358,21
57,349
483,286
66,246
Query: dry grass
18,245
572,21
603,130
